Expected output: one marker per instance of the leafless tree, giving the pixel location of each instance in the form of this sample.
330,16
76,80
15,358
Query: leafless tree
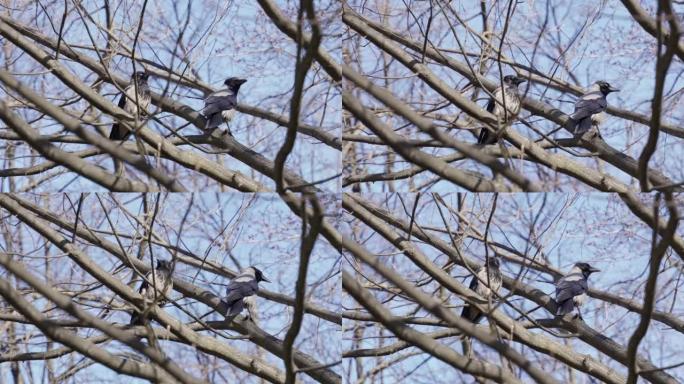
408,259
65,64
418,74
71,264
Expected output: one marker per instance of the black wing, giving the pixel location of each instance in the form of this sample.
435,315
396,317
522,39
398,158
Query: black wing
471,313
118,132
136,318
483,138
143,287
490,105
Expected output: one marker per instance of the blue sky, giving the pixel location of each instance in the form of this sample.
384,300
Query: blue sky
269,241
222,39
595,228
611,47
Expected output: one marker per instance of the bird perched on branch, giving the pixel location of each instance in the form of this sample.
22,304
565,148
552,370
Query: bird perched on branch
588,107
486,280
220,106
161,278
571,289
135,100
243,285
508,94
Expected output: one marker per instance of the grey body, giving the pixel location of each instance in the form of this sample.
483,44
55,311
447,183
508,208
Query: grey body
508,93
571,289
479,285
136,105
219,106
242,286
589,106
161,278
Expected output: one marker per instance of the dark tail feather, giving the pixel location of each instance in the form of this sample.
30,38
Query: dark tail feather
570,125
114,132
214,121
136,319
118,132
583,125
564,307
472,314
483,137
486,137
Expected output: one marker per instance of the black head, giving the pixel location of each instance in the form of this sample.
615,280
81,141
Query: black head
513,80
494,263
234,83
259,275
586,269
164,265
605,87
141,77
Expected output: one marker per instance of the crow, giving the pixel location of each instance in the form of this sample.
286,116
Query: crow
588,107
243,285
479,284
571,288
136,104
220,106
132,103
509,93
161,277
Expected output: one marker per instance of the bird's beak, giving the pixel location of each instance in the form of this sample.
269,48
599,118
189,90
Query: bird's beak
613,90
520,81
242,81
263,278
592,269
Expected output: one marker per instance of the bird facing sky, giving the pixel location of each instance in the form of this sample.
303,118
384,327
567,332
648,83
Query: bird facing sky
571,289
508,93
161,278
136,105
479,285
243,285
588,106
220,106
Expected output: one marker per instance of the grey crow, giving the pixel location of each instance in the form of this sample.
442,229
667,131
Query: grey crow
135,105
508,93
479,285
588,106
571,288
161,277
220,106
243,285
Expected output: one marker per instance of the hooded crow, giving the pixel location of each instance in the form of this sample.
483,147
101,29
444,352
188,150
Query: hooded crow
479,284
220,106
161,277
243,285
132,103
588,106
508,93
571,288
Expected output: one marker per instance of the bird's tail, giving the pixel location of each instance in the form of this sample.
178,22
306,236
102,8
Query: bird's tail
136,319
225,310
570,124
583,126
483,138
564,307
471,313
114,132
213,121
